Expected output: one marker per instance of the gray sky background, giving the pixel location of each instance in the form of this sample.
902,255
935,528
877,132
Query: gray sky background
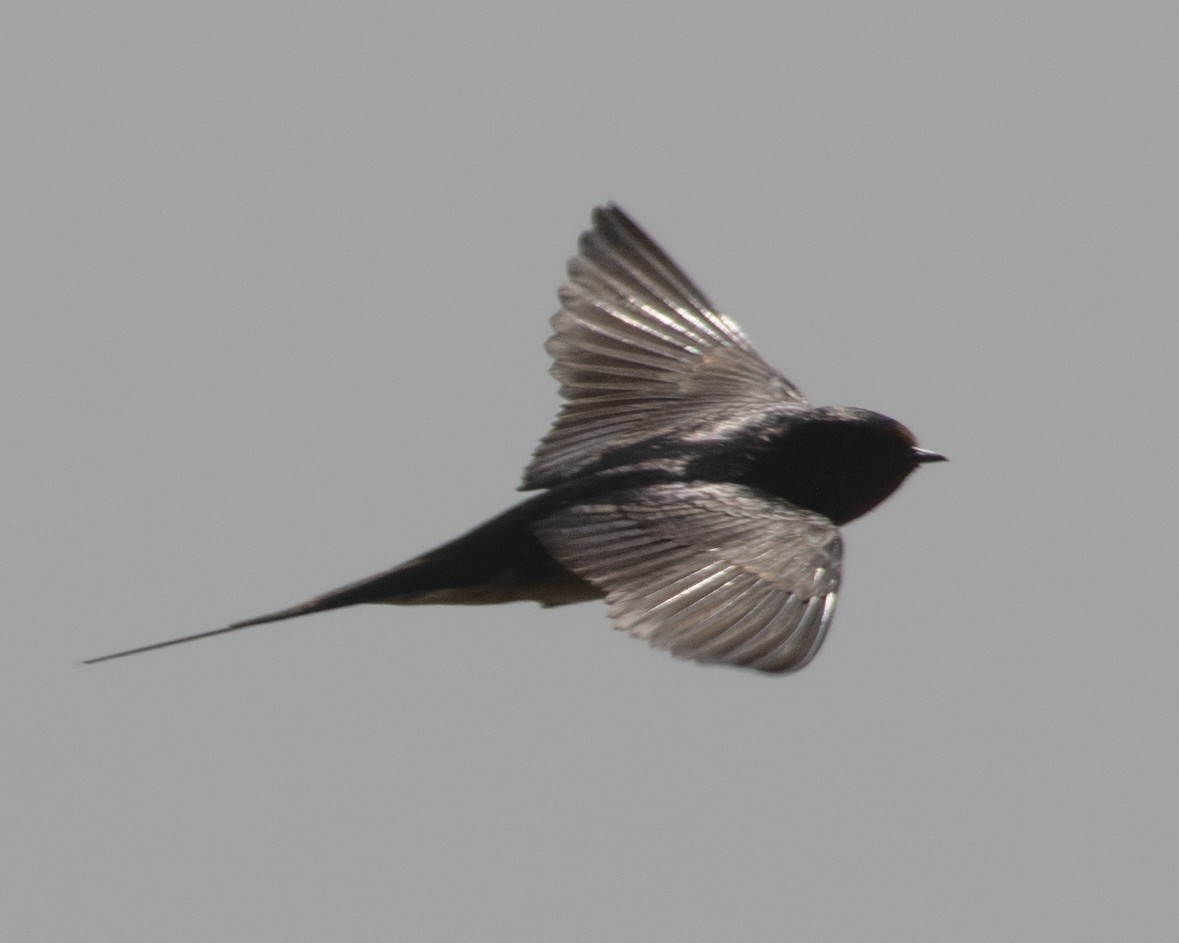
275,283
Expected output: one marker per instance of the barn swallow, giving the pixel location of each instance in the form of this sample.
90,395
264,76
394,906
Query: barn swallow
684,480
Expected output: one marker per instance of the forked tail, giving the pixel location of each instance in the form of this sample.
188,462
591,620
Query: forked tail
384,587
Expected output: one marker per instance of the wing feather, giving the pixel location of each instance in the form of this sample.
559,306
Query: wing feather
709,571
640,354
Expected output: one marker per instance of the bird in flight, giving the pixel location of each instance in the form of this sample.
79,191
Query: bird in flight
684,480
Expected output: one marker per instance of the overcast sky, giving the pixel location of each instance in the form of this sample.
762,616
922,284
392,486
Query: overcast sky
276,280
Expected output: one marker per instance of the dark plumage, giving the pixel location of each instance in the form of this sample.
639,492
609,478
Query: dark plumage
684,479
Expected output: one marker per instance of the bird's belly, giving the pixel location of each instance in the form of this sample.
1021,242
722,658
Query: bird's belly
556,587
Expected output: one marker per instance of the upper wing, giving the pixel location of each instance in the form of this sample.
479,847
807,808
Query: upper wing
641,353
712,572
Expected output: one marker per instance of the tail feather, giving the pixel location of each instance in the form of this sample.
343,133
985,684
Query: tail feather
384,587
499,561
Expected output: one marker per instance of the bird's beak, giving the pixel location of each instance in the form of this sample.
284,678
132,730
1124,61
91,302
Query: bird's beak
924,455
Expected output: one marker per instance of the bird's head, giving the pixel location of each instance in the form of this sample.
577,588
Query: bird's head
841,461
